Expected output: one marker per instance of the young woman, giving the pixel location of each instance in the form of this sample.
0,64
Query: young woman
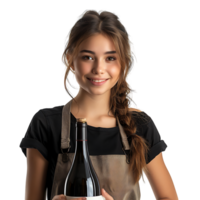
122,141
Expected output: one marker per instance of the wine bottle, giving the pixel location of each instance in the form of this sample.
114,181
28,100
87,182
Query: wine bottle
82,180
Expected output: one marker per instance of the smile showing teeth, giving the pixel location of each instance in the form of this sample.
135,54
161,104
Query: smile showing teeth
97,80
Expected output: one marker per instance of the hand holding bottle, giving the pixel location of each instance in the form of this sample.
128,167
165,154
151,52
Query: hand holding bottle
63,197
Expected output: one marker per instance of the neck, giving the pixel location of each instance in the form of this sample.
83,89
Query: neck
91,105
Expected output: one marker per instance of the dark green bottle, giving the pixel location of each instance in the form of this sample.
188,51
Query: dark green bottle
81,180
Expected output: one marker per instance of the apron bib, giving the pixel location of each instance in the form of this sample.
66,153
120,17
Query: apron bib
111,170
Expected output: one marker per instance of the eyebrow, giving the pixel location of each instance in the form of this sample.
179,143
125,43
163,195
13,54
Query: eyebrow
92,52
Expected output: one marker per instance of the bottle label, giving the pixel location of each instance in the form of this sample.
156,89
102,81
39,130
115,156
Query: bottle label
100,197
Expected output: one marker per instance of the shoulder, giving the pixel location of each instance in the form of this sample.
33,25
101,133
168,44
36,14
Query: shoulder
134,109
140,116
45,116
52,110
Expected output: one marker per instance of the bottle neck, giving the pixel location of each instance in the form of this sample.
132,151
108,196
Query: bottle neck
81,149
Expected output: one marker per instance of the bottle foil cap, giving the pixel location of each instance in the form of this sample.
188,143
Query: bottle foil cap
83,120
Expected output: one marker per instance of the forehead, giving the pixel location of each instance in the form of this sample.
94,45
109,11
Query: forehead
98,43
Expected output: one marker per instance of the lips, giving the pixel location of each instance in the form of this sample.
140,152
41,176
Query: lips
97,79
97,83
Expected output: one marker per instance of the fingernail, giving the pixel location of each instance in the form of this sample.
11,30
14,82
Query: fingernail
104,190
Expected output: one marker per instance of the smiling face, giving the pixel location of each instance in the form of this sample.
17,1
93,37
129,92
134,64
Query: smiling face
97,58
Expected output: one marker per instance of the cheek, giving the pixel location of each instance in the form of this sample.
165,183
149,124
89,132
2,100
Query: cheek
82,68
85,70
114,71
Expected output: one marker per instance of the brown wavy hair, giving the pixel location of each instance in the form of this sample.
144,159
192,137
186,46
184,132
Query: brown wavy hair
108,24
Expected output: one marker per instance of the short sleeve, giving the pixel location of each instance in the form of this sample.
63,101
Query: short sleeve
151,134
36,135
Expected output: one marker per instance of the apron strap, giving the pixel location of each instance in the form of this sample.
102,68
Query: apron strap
65,131
66,122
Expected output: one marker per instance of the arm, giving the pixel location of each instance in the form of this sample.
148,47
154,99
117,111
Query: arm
37,167
160,179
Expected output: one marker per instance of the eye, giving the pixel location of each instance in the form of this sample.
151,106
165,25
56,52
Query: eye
85,58
113,58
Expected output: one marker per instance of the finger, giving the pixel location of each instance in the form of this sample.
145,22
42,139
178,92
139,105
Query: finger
56,197
62,197
106,195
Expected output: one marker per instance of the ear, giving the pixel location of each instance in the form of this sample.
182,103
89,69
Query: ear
68,57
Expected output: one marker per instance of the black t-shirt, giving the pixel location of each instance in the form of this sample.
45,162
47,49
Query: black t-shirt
44,134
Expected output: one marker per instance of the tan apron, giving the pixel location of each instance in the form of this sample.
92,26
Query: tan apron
112,170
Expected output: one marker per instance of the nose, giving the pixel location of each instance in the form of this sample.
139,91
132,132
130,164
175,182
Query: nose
99,67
